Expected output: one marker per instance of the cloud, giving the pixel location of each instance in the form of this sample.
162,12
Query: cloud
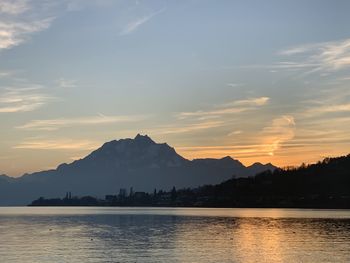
324,56
293,51
5,74
232,107
213,113
14,7
251,102
326,104
14,33
135,24
59,144
283,65
234,85
319,110
19,19
66,83
55,124
234,133
22,100
172,129
219,151
282,129
265,143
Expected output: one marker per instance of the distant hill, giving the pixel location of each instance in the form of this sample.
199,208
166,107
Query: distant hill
140,163
325,184
5,178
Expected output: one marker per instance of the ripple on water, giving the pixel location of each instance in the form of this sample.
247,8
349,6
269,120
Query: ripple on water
173,235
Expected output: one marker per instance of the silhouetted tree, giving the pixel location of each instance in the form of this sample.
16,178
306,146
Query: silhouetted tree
173,194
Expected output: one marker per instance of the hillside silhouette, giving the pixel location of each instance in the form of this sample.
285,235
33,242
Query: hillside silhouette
139,162
325,184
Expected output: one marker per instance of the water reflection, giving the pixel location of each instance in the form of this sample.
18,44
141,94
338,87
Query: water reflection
170,237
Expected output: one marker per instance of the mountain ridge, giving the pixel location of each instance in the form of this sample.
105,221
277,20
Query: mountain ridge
140,163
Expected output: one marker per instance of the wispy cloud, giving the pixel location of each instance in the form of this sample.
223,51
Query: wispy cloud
325,56
234,85
186,128
135,24
55,124
19,19
5,74
324,109
59,144
14,33
265,143
333,108
232,107
14,7
281,130
233,133
66,83
237,151
251,102
327,103
283,65
22,99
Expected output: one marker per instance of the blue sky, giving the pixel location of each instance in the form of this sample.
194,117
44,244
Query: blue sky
257,80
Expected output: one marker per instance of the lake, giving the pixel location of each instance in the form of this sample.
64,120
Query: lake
108,234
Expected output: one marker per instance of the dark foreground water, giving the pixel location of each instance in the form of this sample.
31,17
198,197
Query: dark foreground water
173,235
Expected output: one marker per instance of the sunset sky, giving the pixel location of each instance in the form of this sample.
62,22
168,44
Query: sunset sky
265,81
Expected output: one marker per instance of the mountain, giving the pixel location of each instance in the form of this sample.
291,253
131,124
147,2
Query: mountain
140,163
325,184
258,167
5,178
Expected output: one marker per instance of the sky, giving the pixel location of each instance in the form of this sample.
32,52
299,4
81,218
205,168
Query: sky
260,81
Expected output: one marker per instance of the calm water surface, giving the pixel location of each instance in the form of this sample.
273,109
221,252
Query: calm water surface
173,235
